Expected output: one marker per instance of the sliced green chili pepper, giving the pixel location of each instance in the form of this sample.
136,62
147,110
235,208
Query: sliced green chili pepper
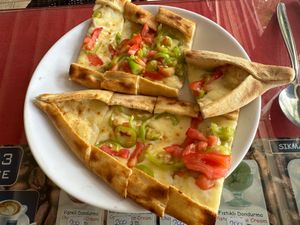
135,67
125,136
142,131
164,160
172,117
146,169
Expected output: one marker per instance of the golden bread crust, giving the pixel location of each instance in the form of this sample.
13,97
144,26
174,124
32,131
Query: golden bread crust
183,25
110,170
140,102
139,15
78,146
85,76
119,81
152,194
195,214
247,80
173,106
148,87
148,192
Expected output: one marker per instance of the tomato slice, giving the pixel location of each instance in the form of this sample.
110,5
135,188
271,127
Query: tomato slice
147,34
89,41
196,86
122,153
133,49
135,154
94,60
190,149
204,183
218,72
201,146
145,30
112,50
195,134
174,150
196,121
212,165
212,140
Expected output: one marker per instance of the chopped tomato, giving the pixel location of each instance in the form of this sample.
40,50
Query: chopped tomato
218,72
179,173
196,121
148,39
89,41
195,134
123,46
153,75
212,165
212,140
123,153
151,53
190,149
145,30
135,154
196,86
201,146
107,149
174,150
147,35
133,49
94,60
112,50
136,39
204,183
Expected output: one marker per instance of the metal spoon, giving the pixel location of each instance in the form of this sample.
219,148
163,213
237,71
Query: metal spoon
289,98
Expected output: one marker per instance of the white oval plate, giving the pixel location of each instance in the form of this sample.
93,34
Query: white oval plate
51,76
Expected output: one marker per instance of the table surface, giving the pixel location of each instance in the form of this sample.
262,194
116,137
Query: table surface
27,34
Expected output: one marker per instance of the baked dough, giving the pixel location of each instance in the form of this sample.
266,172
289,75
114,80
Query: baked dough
242,81
81,117
123,18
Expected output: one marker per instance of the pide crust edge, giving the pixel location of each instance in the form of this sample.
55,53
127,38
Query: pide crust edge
133,183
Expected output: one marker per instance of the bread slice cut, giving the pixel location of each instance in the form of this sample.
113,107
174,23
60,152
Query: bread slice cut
226,83
104,62
88,120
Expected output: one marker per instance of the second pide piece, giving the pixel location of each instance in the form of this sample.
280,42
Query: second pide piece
222,83
154,150
129,50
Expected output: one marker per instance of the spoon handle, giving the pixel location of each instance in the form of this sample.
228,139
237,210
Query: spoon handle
288,37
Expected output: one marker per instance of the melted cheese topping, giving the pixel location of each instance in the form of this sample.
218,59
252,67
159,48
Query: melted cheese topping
85,117
219,87
91,120
210,198
111,22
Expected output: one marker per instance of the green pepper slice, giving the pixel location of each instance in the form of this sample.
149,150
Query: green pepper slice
164,160
172,117
125,136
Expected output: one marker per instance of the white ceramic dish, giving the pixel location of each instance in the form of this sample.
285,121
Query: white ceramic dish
51,76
